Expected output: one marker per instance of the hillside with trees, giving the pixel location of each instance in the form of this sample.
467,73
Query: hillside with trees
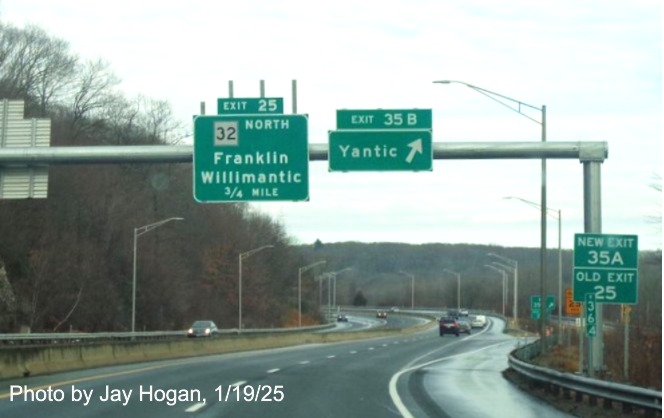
68,259
381,273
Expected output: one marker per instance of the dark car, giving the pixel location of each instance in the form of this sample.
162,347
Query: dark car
203,329
448,325
342,318
381,314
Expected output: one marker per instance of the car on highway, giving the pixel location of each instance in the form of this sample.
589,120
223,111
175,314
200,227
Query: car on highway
448,325
478,321
464,325
202,329
394,309
381,314
342,318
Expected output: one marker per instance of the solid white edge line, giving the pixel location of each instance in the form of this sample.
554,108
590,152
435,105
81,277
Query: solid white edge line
394,394
272,371
240,383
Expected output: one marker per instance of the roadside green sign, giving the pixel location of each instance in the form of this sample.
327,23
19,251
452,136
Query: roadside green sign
250,105
398,119
591,315
535,307
380,150
251,158
607,266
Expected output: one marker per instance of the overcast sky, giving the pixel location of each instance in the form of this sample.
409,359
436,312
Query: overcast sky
596,65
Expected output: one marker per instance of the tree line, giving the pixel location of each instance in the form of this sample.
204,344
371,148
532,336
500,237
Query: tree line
66,262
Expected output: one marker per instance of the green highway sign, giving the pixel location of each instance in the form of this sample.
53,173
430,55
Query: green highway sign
591,315
550,302
398,119
251,158
252,106
380,150
606,266
535,307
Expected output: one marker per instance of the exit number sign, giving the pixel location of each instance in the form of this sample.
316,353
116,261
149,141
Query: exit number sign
607,266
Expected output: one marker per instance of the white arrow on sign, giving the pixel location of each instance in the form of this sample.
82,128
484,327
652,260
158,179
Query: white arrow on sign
415,146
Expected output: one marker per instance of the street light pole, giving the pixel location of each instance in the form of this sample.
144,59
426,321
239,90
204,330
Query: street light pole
241,257
503,273
458,277
501,99
412,288
514,266
299,289
556,214
137,233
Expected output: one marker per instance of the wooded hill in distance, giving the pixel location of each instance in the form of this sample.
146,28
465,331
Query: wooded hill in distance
380,272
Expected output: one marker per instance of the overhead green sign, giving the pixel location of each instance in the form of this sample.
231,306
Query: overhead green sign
251,158
250,105
607,266
398,119
380,150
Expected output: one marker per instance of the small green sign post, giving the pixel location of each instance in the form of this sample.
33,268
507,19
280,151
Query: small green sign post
607,266
535,307
240,158
591,315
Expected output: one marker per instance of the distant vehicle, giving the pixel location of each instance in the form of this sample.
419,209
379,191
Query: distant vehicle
463,312
381,314
394,309
342,318
203,329
448,325
452,313
478,321
464,325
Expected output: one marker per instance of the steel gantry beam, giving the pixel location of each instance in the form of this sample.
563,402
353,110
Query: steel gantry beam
583,151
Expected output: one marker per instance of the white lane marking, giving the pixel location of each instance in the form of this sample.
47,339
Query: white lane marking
272,371
371,348
240,383
195,407
353,352
305,362
384,345
394,394
332,356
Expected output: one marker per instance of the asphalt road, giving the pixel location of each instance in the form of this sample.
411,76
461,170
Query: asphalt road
417,375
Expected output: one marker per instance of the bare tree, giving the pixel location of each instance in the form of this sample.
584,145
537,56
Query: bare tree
92,91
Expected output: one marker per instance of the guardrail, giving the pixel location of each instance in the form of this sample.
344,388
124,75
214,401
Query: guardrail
81,337
629,396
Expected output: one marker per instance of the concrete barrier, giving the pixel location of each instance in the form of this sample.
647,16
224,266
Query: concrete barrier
24,361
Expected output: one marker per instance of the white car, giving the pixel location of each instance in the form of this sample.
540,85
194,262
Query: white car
478,321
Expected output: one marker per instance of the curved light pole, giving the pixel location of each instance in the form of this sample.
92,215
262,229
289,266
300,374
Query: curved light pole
514,266
412,288
299,288
334,289
503,100
241,257
137,233
556,214
331,292
458,277
503,273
